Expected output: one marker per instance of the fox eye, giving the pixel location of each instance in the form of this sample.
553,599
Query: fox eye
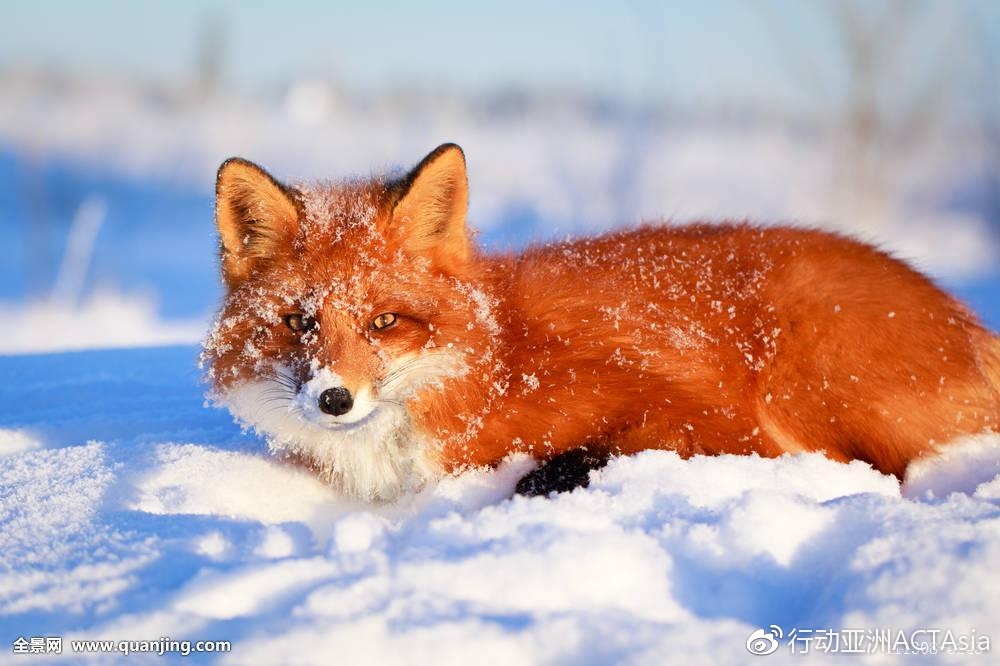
383,321
300,322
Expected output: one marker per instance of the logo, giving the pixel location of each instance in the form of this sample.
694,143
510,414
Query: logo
764,642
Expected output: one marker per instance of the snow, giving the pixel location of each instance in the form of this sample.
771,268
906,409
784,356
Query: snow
129,510
16,441
970,466
107,318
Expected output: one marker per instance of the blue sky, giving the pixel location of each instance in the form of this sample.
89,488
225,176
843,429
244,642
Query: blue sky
714,51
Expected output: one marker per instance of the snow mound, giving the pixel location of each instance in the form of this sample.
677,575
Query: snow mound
176,524
16,441
970,466
106,319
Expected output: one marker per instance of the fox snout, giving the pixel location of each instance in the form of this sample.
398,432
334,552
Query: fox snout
336,401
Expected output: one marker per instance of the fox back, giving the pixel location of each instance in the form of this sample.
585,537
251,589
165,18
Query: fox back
365,335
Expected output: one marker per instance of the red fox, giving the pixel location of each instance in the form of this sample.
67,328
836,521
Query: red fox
365,334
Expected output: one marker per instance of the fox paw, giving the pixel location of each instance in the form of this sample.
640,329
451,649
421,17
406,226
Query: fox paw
562,473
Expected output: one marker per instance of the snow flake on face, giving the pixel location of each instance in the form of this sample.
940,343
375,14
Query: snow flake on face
485,305
306,400
531,383
334,209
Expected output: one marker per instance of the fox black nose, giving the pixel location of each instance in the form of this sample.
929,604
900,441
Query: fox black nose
336,401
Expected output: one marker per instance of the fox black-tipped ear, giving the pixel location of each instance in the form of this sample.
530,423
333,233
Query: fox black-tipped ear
254,214
429,216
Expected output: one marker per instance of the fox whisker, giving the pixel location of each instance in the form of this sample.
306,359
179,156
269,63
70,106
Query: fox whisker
390,401
411,372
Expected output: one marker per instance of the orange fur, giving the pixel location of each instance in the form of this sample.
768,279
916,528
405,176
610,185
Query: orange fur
711,339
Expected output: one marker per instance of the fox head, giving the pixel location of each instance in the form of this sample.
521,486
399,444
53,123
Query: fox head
349,308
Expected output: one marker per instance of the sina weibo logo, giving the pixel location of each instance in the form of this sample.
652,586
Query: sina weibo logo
764,642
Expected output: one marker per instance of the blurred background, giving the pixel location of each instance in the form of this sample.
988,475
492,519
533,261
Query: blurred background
878,118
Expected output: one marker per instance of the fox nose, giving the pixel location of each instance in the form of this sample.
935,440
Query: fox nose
336,401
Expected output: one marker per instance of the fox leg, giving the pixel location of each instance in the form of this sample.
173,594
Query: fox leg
562,473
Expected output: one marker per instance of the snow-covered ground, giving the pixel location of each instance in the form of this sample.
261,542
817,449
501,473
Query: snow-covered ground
130,511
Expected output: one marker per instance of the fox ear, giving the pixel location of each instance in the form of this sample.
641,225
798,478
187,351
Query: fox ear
254,214
429,216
